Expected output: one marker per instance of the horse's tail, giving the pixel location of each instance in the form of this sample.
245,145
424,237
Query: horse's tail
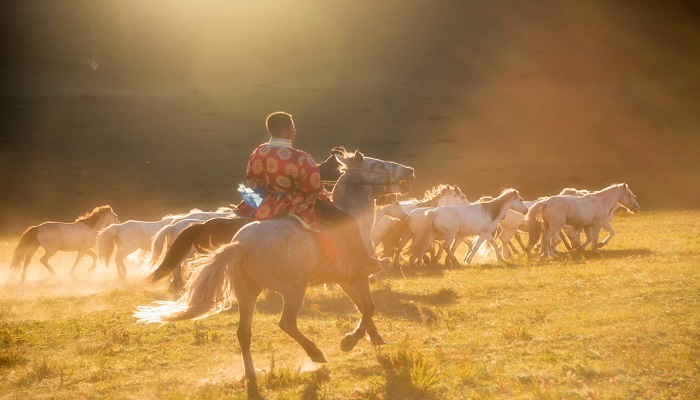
106,244
26,247
208,292
424,235
176,253
158,244
534,224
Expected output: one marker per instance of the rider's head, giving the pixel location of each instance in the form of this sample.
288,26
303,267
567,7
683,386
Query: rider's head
280,125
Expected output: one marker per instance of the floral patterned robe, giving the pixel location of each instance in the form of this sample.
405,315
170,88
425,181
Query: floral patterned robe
291,178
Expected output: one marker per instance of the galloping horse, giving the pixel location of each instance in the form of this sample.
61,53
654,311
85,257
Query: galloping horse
281,255
77,236
574,232
127,237
589,211
208,235
481,218
440,195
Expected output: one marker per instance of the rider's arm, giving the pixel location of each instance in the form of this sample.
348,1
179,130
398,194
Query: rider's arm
312,183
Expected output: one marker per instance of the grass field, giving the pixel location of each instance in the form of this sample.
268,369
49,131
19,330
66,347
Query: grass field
536,96
624,326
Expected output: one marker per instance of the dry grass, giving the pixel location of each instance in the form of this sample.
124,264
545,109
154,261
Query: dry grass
624,326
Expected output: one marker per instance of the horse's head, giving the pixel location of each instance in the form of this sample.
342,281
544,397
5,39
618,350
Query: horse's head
452,195
99,217
628,200
395,210
109,217
517,204
383,176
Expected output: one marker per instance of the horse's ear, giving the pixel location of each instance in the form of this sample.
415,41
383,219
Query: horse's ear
359,156
339,150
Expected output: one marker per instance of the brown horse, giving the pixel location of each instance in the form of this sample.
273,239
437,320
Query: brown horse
281,255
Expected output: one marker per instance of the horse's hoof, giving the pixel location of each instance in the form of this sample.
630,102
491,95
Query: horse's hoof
377,339
318,358
349,342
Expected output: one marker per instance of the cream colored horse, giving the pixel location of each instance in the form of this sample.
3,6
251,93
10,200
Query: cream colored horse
482,219
590,212
77,236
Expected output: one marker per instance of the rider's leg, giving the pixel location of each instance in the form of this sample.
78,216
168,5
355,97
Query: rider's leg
344,226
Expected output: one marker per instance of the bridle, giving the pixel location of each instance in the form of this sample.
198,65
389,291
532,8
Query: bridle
367,171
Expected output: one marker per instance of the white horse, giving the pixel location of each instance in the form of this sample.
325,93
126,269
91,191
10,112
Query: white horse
127,237
77,236
574,232
448,222
439,195
386,229
281,255
442,195
590,212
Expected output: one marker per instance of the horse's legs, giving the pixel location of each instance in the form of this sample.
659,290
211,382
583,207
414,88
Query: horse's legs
94,259
492,242
595,233
547,242
247,292
587,232
447,246
611,233
519,238
45,260
397,254
293,300
30,253
77,259
121,266
358,291
478,243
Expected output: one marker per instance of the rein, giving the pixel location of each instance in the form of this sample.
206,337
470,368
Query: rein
367,171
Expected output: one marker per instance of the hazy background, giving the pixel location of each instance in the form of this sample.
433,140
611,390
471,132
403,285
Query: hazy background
153,106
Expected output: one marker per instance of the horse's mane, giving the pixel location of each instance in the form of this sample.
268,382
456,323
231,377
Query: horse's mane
613,186
434,194
495,206
90,218
573,192
182,215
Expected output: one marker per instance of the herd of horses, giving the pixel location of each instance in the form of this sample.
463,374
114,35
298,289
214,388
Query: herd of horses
241,258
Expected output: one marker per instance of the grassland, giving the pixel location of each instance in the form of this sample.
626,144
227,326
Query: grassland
485,95
622,326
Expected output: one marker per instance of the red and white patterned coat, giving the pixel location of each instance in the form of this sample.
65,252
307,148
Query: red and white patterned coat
291,178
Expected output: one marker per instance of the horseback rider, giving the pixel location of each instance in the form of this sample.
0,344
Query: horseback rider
282,180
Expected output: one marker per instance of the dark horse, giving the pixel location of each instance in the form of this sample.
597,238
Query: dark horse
279,254
208,235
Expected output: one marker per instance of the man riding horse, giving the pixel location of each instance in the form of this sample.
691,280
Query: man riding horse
284,181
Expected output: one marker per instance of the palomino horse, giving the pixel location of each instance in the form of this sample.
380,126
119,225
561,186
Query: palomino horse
281,255
77,236
590,212
482,218
205,236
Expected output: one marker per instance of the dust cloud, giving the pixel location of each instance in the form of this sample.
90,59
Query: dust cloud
39,282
